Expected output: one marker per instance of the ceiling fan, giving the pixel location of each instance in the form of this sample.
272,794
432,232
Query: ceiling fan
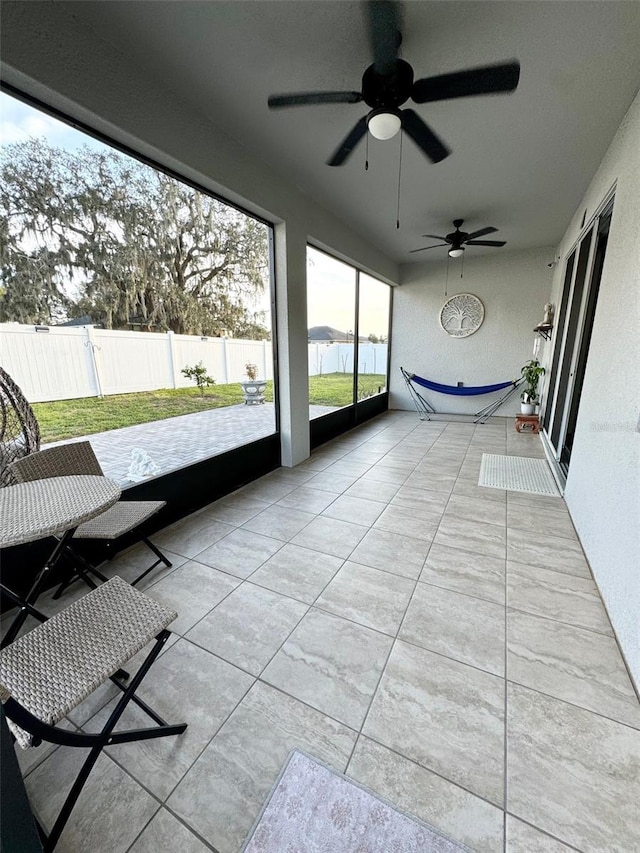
458,239
388,83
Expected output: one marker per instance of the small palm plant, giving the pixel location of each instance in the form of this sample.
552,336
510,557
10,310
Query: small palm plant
532,371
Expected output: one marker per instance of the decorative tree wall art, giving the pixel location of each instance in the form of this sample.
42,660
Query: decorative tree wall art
462,315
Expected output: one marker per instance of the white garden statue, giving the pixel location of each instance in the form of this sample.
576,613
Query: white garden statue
142,465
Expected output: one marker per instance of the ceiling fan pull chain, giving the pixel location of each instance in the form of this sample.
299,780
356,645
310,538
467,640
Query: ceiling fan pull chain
446,278
399,181
366,154
462,268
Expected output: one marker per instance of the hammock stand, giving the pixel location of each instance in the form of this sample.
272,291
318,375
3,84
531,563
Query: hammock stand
425,409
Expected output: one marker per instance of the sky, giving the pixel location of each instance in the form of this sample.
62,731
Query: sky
330,283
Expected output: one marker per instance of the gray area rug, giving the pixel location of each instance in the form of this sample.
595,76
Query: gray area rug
517,474
313,809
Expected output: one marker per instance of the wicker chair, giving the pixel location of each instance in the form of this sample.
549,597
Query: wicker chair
65,460
19,433
49,671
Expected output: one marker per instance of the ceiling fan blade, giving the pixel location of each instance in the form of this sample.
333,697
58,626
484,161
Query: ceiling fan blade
485,242
348,143
424,137
436,237
480,233
485,80
411,251
384,32
297,99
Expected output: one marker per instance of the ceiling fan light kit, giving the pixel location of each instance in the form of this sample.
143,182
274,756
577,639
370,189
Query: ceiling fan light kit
384,124
457,240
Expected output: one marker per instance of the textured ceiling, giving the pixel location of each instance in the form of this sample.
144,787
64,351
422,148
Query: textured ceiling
520,162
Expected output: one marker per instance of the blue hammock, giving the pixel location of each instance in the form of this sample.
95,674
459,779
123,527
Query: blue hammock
425,408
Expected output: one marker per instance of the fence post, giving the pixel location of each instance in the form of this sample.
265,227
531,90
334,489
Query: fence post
225,361
94,359
264,359
173,367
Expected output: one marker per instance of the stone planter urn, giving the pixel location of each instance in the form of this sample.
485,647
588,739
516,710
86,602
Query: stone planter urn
253,388
253,391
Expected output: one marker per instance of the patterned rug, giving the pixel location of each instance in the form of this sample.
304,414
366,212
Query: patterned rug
517,474
312,809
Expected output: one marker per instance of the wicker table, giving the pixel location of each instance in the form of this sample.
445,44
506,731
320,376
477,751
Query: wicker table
52,507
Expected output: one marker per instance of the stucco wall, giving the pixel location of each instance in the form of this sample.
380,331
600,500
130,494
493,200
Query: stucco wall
513,287
603,484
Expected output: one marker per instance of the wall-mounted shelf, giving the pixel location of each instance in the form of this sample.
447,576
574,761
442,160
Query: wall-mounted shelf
544,330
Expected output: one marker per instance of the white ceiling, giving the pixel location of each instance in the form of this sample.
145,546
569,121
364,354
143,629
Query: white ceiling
520,162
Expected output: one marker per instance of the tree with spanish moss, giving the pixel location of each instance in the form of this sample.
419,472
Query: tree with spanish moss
98,234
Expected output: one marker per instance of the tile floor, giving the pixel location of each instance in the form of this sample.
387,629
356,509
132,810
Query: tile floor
442,643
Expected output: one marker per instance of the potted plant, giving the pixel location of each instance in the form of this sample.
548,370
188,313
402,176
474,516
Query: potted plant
532,371
254,388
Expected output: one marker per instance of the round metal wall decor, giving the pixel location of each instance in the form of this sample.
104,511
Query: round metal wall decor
462,315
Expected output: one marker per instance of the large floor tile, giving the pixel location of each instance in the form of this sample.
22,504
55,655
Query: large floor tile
400,519
579,666
385,474
467,629
330,536
191,535
268,491
357,510
331,664
372,491
279,522
427,505
392,552
556,595
431,481
165,834
418,791
461,509
469,489
462,571
522,838
548,552
540,522
368,596
224,791
234,509
328,482
185,685
307,499
445,715
297,572
110,812
240,552
249,626
573,773
192,590
473,536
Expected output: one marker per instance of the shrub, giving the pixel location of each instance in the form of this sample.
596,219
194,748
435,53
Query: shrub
198,373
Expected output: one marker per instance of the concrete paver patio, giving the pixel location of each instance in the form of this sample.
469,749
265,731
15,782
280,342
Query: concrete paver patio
176,442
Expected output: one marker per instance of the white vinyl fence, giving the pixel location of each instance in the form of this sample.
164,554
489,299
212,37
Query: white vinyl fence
62,363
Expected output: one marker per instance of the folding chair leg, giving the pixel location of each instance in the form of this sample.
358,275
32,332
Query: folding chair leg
161,559
108,738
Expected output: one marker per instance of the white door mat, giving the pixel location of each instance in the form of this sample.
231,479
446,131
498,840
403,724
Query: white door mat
517,474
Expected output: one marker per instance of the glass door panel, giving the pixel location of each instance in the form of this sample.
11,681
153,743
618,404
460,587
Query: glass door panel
331,325
374,309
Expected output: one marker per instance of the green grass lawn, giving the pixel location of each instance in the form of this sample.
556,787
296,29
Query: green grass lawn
63,419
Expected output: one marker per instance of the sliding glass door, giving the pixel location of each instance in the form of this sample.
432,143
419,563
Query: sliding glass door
575,325
348,319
